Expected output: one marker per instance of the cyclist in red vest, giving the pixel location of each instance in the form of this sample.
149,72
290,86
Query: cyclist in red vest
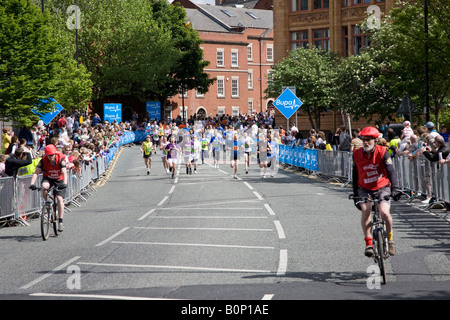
374,175
54,172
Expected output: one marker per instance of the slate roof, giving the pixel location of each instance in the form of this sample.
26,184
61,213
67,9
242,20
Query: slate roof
227,19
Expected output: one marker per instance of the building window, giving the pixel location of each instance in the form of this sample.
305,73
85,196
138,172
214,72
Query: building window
250,79
321,4
269,53
221,111
235,111
360,40
250,106
199,95
234,58
235,87
361,1
220,58
250,52
295,5
345,42
220,86
299,39
321,38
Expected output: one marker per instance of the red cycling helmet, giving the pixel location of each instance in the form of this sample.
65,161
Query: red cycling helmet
50,149
370,132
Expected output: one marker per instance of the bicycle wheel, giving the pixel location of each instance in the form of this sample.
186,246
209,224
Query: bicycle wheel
380,249
45,222
55,220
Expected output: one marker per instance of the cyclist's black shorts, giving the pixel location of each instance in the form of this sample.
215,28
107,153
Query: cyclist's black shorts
54,182
375,194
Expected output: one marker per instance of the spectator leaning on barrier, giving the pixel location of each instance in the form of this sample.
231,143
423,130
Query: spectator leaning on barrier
438,150
344,140
20,158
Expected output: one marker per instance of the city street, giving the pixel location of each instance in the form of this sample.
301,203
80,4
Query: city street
207,236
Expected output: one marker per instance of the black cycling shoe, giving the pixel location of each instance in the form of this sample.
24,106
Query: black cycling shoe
368,252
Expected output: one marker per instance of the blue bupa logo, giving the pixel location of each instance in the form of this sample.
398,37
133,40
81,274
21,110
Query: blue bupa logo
287,103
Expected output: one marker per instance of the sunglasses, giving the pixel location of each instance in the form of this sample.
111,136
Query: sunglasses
367,139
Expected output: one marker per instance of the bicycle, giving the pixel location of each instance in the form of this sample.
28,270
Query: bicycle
379,235
49,214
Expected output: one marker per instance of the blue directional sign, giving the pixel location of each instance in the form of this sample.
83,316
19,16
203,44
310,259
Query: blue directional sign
112,111
48,117
153,109
287,103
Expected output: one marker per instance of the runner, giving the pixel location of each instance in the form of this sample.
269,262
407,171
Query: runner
272,156
196,152
172,148
235,154
164,153
263,151
216,142
155,132
248,142
205,143
187,147
147,149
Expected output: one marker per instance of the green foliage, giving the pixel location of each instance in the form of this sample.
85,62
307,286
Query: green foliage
28,61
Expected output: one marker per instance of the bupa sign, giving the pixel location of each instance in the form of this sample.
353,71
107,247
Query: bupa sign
112,111
287,103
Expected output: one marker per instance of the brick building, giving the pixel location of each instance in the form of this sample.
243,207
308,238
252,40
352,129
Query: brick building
329,24
238,43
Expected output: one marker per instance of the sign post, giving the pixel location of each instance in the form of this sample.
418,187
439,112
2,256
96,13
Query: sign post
287,103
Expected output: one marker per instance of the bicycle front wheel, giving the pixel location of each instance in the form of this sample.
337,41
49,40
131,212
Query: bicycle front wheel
45,222
55,220
381,260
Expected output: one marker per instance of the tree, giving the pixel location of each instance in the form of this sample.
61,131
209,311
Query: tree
28,61
402,40
188,73
313,72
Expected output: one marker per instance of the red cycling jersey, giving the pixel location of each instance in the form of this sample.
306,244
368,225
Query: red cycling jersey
53,171
371,168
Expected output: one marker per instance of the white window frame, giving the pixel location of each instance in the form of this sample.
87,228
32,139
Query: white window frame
221,110
220,79
235,58
250,52
250,106
269,52
220,61
235,87
250,79
235,111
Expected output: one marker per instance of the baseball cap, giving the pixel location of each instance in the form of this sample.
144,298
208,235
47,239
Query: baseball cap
50,150
429,124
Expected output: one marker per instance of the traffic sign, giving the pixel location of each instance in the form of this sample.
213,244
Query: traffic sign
287,103
48,117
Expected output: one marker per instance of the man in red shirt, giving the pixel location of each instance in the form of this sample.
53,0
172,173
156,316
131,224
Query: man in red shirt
374,175
54,172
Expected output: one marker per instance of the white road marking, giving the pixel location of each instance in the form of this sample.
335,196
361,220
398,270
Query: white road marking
282,266
267,297
248,185
146,215
48,274
269,209
171,189
258,195
162,201
112,237
205,229
280,230
173,267
93,296
192,245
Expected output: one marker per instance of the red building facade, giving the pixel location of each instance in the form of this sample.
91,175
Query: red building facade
238,43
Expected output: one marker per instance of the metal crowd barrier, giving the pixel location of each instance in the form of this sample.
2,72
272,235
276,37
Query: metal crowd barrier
17,201
417,177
